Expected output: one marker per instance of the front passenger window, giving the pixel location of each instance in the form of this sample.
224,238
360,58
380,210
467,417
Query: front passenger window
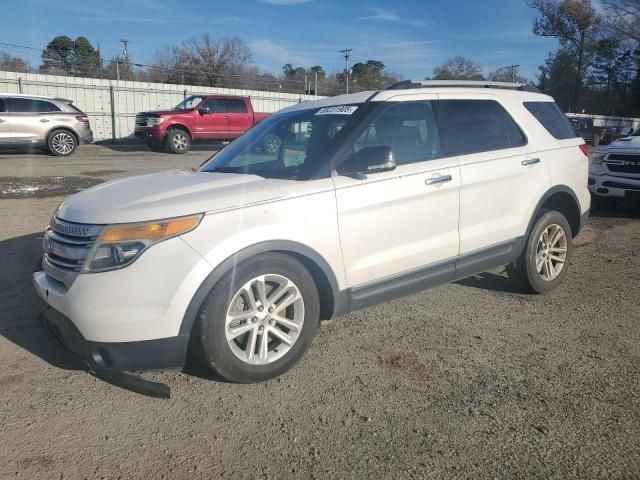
408,128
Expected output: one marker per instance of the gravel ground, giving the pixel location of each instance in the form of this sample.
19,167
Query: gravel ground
469,380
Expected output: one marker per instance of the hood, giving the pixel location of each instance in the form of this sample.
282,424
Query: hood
156,113
628,143
167,194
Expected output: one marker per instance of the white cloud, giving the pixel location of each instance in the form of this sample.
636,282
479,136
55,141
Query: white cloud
382,14
285,2
267,48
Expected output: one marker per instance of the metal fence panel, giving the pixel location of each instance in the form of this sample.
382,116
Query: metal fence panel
93,96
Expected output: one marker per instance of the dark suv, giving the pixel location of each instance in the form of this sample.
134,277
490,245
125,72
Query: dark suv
47,122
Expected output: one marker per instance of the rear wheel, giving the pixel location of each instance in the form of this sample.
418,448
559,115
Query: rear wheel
178,141
61,143
596,140
545,260
259,319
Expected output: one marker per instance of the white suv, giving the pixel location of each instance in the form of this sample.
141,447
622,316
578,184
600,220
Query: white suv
367,197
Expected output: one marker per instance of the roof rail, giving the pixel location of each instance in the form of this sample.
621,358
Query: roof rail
406,84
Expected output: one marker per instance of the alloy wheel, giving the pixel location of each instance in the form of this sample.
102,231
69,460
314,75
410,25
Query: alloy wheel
264,319
63,143
179,141
551,252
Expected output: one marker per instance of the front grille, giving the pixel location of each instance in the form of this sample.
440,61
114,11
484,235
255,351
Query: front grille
66,246
623,163
141,121
625,186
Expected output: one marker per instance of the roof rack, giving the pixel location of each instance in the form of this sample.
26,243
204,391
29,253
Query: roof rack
406,84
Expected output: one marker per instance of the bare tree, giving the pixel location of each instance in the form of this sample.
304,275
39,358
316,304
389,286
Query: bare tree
624,17
505,74
576,24
458,68
10,63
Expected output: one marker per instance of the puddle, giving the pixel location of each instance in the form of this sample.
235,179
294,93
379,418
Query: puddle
43,187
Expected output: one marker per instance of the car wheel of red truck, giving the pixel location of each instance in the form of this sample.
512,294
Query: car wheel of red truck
178,141
271,144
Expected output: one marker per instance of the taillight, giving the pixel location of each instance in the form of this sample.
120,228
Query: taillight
82,118
585,149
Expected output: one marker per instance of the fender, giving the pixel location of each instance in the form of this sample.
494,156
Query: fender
177,124
548,194
228,264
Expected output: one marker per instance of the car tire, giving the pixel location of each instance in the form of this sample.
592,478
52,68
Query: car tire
271,144
155,146
595,141
178,141
545,260
61,143
242,335
601,203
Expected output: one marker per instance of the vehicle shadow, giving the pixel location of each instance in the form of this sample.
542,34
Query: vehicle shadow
22,150
621,210
21,321
141,146
492,281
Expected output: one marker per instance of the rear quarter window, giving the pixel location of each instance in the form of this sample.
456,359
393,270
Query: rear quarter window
473,126
552,119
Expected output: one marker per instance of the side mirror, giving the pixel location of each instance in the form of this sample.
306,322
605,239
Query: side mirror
369,160
204,110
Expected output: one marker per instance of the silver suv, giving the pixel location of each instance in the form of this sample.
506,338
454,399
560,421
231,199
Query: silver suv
48,122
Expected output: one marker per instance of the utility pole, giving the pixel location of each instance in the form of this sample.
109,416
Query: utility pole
117,69
514,72
125,42
347,54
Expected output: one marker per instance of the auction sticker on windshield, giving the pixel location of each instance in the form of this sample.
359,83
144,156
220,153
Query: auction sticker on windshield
337,110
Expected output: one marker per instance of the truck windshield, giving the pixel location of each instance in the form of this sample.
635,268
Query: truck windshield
292,145
190,102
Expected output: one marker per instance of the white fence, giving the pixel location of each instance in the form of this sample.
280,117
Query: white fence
112,105
603,121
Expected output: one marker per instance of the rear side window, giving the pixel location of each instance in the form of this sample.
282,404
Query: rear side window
28,105
552,119
2,105
237,106
472,126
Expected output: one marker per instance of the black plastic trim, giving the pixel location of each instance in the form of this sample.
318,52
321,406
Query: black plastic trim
487,258
117,356
548,194
285,246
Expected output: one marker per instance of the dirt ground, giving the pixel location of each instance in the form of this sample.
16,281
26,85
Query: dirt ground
469,380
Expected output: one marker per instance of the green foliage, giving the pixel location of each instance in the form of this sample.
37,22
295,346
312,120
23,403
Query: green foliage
64,56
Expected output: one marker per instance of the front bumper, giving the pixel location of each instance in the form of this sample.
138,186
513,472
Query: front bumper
128,318
614,186
120,356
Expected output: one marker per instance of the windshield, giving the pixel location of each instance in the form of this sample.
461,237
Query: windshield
636,133
288,145
190,102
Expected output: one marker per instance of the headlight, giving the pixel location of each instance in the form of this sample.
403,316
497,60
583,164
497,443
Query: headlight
154,121
596,158
119,245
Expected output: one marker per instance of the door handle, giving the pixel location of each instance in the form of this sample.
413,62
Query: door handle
437,180
44,120
225,117
530,161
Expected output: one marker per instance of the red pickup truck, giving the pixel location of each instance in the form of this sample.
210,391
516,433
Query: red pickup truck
198,117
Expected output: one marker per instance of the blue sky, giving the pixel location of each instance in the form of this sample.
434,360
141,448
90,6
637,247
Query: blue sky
411,37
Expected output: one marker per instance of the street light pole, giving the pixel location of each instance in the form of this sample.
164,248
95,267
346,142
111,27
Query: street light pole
347,54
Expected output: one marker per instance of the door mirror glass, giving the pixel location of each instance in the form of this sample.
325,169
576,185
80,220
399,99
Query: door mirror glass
369,160
204,110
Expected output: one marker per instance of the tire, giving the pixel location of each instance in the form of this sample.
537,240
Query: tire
524,271
601,203
155,146
178,141
271,144
595,141
61,143
227,355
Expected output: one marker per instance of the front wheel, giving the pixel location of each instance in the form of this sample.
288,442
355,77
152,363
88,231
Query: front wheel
259,319
545,260
178,141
